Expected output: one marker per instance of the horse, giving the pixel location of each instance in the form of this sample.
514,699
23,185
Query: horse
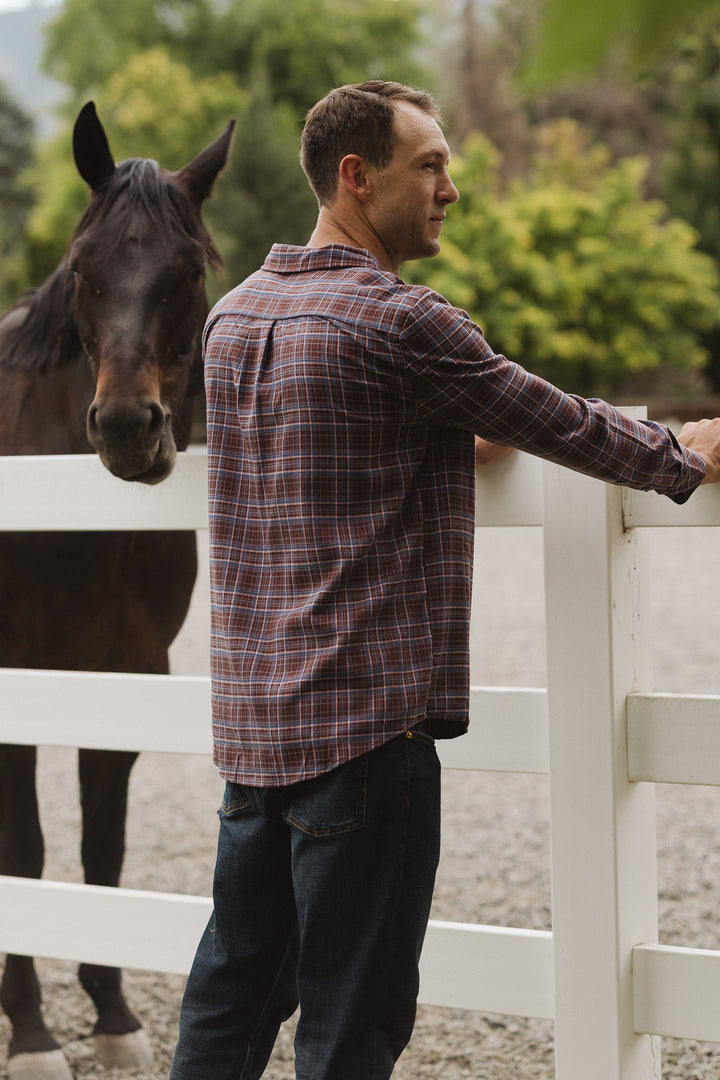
104,357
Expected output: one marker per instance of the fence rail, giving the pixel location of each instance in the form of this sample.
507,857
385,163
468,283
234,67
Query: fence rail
597,729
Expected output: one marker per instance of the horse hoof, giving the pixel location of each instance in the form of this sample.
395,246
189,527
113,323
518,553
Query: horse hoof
44,1065
131,1051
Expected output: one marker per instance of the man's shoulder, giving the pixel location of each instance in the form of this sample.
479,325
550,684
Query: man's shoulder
335,281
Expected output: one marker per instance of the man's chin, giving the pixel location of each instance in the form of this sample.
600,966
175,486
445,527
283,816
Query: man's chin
425,251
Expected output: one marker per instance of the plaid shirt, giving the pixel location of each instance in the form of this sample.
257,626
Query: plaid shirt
342,406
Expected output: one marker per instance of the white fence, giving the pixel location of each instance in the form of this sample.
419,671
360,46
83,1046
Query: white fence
600,975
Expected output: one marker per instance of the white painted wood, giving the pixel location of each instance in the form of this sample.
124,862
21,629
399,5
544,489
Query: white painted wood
509,492
98,925
99,710
164,714
508,732
74,491
602,827
488,968
677,991
673,738
643,509
464,966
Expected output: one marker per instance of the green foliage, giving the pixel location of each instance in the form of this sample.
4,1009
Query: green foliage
135,107
302,49
88,42
15,156
167,75
575,38
692,173
571,272
264,197
60,198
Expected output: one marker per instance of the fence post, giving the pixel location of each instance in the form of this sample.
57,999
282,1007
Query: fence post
603,844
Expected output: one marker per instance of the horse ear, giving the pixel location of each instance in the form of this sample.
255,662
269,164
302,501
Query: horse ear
91,151
200,175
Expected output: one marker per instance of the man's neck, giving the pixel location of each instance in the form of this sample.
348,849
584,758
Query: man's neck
330,229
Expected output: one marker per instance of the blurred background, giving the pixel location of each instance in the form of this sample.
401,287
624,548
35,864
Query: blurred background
585,138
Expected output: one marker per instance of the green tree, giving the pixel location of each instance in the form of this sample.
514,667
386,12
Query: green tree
16,142
301,49
571,272
574,39
692,175
88,42
166,76
264,197
478,56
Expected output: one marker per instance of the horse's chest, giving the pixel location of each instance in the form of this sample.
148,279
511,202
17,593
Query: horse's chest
94,601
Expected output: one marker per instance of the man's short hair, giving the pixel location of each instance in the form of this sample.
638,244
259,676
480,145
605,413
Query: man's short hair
355,119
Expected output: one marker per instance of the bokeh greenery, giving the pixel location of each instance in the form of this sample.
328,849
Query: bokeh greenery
571,270
587,152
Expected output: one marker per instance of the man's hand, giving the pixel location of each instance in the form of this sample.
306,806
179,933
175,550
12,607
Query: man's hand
703,436
486,452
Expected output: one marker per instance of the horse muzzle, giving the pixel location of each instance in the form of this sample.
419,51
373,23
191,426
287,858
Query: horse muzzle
134,440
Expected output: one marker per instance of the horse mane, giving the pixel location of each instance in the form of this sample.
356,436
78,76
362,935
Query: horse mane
47,338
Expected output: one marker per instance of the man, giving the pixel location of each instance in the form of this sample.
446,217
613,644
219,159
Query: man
342,409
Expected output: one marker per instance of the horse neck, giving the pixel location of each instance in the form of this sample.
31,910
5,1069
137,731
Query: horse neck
44,412
39,333
45,382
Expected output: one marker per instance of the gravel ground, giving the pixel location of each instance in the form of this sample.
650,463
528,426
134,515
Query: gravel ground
494,867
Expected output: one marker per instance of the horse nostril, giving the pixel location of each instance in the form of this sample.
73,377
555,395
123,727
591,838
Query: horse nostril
92,421
156,425
113,425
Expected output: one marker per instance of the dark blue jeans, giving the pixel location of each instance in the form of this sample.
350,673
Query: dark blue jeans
322,895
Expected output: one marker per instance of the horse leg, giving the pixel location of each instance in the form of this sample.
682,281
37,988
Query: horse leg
104,776
33,1052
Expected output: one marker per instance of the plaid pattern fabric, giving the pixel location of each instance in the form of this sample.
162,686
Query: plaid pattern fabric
342,405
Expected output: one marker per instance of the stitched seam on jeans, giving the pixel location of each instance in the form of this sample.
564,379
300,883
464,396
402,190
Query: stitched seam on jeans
323,834
345,827
233,808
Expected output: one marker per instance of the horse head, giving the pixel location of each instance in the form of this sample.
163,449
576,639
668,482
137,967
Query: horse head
136,269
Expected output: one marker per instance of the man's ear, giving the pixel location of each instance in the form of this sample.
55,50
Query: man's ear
353,173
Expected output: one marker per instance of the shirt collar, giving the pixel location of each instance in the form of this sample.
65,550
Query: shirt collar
287,259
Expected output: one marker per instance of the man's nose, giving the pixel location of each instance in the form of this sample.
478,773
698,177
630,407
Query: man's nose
449,193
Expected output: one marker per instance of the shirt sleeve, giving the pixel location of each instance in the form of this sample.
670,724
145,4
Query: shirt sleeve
458,381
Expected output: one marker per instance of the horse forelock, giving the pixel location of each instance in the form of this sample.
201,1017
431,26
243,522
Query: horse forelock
149,197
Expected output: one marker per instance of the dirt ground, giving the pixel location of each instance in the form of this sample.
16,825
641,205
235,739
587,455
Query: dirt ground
494,867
